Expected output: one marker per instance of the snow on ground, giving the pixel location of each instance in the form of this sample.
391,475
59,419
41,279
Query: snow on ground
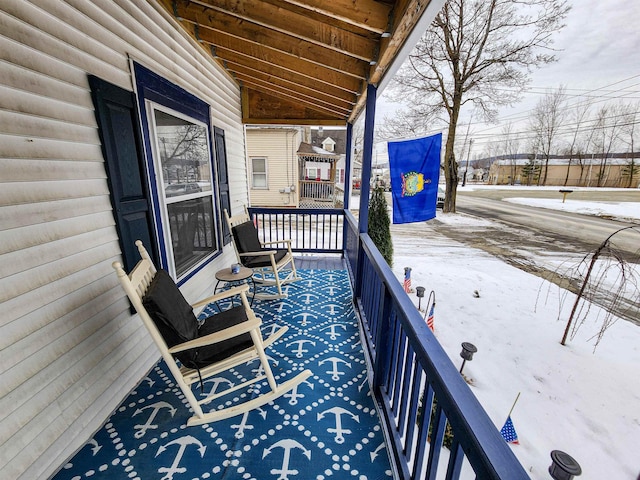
582,401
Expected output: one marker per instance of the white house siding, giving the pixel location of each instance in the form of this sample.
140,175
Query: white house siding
279,147
69,348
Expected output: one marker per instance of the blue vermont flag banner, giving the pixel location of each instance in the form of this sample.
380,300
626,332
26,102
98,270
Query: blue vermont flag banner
415,168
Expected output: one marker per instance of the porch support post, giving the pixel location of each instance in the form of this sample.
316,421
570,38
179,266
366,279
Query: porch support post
348,167
367,154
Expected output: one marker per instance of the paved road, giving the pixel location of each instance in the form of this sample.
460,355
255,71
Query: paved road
578,232
547,243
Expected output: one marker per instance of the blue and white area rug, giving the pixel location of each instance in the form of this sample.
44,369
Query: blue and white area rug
326,428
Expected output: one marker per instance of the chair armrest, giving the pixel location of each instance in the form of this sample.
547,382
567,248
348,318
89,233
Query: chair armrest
221,296
275,242
258,254
231,332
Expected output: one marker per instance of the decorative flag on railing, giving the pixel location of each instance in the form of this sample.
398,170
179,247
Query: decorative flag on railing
430,317
508,432
414,166
407,279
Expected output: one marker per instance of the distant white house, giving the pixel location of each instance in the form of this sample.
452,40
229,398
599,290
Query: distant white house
273,166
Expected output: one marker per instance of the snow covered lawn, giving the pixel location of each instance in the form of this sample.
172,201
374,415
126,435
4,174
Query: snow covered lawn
582,401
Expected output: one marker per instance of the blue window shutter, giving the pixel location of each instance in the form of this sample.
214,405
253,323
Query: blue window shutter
223,179
123,152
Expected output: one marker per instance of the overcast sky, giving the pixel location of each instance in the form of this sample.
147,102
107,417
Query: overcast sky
599,50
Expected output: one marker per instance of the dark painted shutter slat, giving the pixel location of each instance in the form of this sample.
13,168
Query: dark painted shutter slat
117,119
223,179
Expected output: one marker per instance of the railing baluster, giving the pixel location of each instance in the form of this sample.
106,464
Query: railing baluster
456,457
422,443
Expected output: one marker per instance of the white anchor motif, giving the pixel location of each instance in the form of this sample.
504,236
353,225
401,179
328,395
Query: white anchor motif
304,316
183,443
335,373
216,381
307,298
287,445
331,290
260,369
333,335
149,425
281,306
339,431
149,381
332,308
271,329
299,352
363,384
293,395
375,453
243,425
95,448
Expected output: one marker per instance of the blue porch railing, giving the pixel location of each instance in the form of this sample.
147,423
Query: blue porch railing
309,229
411,373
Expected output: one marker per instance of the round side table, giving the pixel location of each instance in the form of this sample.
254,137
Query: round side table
245,275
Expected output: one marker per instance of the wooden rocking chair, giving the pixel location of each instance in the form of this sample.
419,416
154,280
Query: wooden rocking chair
206,347
268,264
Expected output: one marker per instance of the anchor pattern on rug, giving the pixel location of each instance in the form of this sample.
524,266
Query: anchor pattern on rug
325,428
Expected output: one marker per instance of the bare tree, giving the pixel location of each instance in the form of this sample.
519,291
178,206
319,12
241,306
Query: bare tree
629,132
546,120
510,147
477,53
608,278
607,133
579,114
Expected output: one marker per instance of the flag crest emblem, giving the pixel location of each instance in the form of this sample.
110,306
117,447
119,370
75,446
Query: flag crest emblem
412,183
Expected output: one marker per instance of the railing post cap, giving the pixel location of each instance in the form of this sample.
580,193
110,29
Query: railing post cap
563,466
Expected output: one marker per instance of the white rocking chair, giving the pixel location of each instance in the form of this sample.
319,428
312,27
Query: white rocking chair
268,264
204,348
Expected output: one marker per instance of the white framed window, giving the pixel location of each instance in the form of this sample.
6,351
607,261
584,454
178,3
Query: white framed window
259,173
184,181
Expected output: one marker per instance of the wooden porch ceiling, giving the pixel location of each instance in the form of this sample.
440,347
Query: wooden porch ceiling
302,62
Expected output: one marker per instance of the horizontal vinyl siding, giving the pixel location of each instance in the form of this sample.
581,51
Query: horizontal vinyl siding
279,147
69,348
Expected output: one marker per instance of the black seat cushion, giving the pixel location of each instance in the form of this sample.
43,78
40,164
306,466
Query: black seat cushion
203,356
176,322
246,238
263,260
169,310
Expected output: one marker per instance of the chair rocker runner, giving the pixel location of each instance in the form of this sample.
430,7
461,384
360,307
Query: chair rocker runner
268,264
206,347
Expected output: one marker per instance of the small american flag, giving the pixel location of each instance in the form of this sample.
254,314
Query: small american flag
430,317
508,432
407,279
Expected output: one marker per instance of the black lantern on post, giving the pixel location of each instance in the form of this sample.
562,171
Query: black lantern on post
420,294
468,349
563,466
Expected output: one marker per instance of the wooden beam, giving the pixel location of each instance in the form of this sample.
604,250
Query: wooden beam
259,108
234,34
292,81
268,61
303,100
367,14
294,24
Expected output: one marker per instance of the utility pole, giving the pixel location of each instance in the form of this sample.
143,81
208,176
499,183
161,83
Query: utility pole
464,180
